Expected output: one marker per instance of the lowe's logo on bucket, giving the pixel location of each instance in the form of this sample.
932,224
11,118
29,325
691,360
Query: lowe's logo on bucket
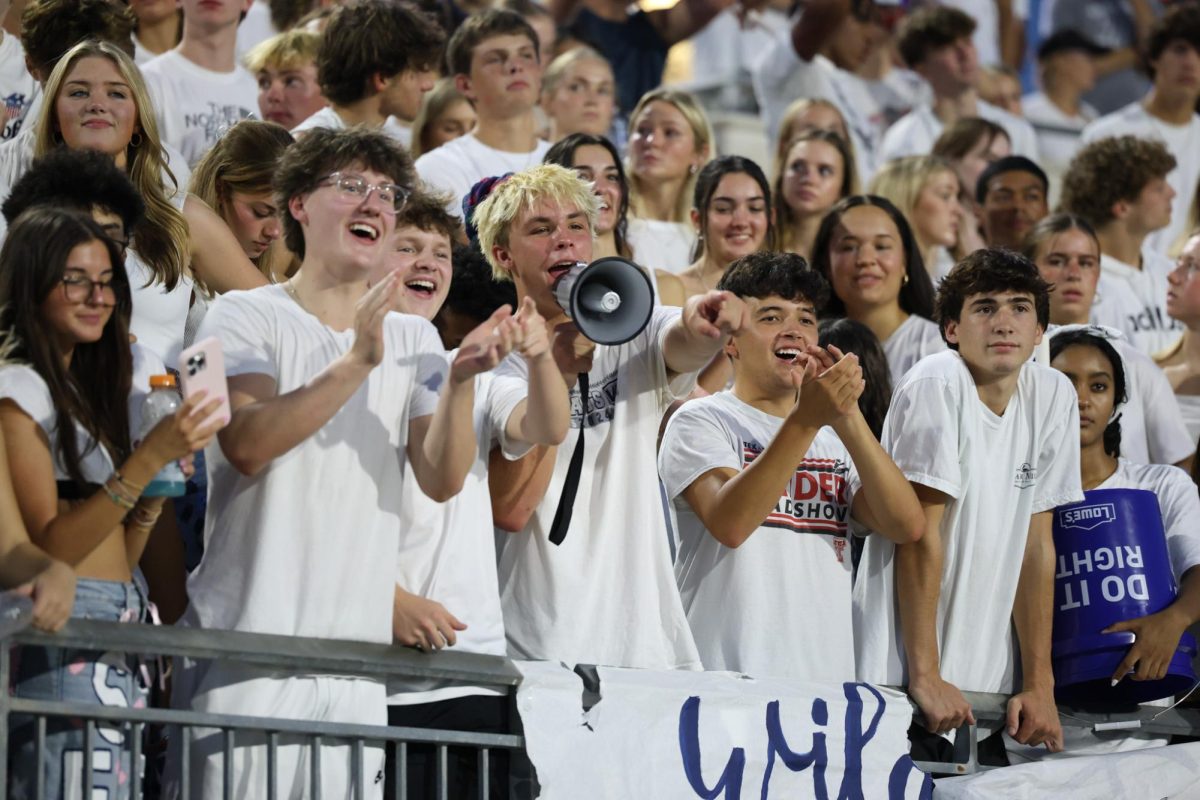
1086,518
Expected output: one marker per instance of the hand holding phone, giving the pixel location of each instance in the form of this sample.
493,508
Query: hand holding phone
202,368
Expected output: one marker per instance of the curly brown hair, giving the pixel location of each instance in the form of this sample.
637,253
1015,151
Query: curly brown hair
427,212
323,151
986,271
1110,170
1177,22
49,28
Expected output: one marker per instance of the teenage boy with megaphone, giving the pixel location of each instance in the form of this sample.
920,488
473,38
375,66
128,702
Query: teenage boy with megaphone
587,577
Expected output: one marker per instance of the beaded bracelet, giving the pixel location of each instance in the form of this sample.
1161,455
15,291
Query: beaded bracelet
130,487
118,499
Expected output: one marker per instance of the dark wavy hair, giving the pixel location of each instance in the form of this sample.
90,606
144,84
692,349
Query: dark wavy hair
706,186
1083,338
563,154
94,390
851,336
769,274
916,294
989,270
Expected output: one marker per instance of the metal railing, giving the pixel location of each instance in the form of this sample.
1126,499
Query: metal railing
274,653
338,657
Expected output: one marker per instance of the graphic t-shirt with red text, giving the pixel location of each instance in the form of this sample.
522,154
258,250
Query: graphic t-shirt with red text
780,604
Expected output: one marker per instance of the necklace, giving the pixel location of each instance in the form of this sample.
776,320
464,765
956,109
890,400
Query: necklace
290,288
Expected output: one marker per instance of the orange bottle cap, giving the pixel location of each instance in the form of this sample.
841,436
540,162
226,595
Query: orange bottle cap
162,381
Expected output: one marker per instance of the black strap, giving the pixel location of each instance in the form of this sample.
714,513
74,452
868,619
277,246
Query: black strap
566,503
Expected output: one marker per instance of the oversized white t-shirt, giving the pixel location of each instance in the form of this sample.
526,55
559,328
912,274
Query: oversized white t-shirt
783,77
196,105
18,89
307,547
458,165
447,550
659,244
1134,301
754,609
916,338
606,594
1181,142
915,133
998,471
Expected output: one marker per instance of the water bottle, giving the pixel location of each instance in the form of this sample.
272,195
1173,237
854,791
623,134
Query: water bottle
163,401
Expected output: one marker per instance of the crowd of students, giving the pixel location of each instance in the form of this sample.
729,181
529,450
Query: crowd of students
873,370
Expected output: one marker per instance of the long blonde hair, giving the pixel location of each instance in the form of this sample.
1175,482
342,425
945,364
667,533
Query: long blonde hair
902,180
702,134
161,239
243,160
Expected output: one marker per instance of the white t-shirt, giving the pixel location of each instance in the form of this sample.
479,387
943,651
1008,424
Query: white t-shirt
998,472
987,25
754,609
1181,141
159,316
447,550
659,244
605,595
1059,135
915,133
22,385
783,77
458,165
307,547
1189,408
256,28
1134,301
196,105
916,338
18,89
328,118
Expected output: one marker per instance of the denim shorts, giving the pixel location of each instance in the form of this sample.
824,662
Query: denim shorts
83,677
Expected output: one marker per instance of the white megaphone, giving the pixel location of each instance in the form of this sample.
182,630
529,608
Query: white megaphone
609,300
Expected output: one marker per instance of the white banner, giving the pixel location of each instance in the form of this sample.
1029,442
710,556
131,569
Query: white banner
688,735
1164,772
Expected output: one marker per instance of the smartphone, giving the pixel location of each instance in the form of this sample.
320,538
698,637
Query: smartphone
202,367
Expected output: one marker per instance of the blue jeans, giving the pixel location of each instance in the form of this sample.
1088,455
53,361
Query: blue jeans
79,676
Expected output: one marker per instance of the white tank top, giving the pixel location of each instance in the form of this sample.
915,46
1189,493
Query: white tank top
159,316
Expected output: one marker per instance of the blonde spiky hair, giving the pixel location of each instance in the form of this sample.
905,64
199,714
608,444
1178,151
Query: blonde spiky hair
519,192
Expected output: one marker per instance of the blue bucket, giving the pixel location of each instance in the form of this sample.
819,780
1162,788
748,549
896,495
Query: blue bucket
1111,565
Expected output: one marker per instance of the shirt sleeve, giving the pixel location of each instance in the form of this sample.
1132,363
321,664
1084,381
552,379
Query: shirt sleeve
23,386
245,328
782,76
921,434
1058,460
694,443
1167,437
505,393
1180,504
659,327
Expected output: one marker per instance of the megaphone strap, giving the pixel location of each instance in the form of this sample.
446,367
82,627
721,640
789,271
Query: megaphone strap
566,502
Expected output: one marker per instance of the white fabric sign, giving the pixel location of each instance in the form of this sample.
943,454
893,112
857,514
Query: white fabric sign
687,735
1166,772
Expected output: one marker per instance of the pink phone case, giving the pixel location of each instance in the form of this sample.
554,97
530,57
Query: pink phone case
202,366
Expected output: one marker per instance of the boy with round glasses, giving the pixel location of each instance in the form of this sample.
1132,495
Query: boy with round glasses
333,399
